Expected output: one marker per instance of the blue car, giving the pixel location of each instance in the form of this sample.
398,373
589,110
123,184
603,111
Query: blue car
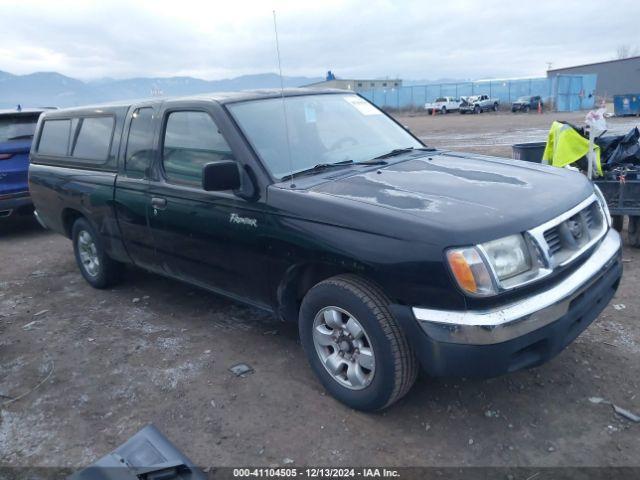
16,133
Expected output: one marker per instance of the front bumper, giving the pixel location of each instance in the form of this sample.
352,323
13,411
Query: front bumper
520,335
11,202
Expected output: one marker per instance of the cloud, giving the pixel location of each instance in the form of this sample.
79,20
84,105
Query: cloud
411,39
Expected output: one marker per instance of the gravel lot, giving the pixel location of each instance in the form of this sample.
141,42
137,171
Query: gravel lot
155,350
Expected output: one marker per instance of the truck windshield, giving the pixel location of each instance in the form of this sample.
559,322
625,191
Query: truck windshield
17,127
322,129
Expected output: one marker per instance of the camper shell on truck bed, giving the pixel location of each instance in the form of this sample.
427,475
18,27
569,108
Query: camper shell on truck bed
319,207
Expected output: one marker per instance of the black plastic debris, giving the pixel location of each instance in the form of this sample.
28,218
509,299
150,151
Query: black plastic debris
147,455
620,149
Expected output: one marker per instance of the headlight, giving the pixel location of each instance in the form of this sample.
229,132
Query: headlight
509,256
603,203
479,270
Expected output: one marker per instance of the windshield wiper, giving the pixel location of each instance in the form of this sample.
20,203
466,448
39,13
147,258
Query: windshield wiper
399,151
320,167
326,166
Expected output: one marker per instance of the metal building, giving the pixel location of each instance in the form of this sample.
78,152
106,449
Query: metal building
357,85
614,76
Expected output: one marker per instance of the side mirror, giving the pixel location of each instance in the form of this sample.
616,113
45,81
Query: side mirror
219,176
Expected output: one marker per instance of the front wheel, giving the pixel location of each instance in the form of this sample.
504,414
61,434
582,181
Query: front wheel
96,267
444,110
477,109
633,231
495,107
355,345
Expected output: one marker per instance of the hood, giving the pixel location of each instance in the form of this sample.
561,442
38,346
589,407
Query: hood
465,195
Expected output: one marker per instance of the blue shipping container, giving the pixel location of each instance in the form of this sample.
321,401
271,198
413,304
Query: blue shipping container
626,104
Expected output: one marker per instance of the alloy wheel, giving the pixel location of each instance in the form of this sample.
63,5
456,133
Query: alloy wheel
344,348
88,253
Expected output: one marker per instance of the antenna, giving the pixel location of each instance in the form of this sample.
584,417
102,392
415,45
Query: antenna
284,106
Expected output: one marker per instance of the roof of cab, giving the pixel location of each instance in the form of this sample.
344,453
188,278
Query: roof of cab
219,97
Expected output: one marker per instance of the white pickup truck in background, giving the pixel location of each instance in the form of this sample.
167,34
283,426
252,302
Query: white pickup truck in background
443,105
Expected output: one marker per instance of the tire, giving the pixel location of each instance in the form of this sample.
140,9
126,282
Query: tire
633,231
477,109
495,107
617,222
389,370
443,110
527,108
96,267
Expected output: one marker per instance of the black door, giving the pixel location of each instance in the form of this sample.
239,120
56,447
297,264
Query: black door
132,198
208,238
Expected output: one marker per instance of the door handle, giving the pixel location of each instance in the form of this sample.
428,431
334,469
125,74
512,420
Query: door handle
159,203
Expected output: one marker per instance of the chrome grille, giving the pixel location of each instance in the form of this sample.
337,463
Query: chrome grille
552,237
566,237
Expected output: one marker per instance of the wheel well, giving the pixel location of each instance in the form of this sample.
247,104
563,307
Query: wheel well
297,282
69,216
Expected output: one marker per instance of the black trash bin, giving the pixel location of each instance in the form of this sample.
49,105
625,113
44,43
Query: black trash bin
529,152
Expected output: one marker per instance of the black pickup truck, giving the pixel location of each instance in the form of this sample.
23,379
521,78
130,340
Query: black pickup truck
320,208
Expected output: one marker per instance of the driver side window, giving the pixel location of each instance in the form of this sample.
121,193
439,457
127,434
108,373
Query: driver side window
191,140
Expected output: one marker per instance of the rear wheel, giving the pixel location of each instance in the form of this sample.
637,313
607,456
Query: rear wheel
444,110
355,345
633,232
617,222
477,109
495,107
96,267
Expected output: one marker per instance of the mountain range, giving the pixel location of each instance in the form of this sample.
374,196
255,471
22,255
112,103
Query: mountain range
53,89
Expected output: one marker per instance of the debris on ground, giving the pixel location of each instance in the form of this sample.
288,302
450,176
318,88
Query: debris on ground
626,413
619,306
30,325
241,369
619,410
287,461
41,312
20,397
135,300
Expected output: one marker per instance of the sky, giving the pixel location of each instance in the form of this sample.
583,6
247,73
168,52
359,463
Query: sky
215,39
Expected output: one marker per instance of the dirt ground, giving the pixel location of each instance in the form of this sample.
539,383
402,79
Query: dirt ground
152,350
494,133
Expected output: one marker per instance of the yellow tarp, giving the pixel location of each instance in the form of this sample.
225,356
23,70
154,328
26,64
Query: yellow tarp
566,146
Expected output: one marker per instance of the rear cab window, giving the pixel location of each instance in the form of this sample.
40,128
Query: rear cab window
139,152
94,138
55,137
83,139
